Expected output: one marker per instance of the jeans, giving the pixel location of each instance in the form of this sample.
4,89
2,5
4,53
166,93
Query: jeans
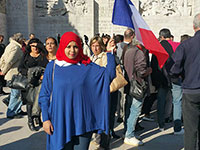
177,103
81,142
15,103
191,117
132,111
162,94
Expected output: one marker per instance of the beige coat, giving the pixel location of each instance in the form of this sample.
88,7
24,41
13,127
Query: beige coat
10,59
100,60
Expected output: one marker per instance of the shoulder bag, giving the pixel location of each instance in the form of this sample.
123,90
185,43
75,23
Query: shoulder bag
138,85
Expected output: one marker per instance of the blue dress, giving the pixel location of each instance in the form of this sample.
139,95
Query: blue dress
80,100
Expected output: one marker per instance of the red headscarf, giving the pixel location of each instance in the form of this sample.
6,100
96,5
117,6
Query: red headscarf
66,38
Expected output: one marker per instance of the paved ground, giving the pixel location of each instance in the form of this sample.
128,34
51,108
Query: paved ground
15,135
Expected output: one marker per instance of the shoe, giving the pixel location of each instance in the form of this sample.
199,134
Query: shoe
148,118
168,120
138,127
115,136
133,141
3,93
22,113
18,116
179,132
6,101
31,126
119,120
38,121
161,129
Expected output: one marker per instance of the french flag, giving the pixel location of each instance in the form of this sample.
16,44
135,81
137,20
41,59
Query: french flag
125,14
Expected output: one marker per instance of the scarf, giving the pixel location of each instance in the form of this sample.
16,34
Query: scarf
66,38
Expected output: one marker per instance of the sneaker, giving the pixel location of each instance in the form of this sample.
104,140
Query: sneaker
148,118
179,132
133,141
161,129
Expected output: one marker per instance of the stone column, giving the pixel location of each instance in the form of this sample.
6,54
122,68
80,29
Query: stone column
30,9
3,22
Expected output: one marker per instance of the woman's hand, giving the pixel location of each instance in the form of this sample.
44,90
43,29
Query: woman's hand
48,127
111,46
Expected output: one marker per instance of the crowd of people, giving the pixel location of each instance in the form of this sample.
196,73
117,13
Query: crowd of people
69,83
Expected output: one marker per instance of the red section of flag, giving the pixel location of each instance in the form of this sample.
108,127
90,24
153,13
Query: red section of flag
152,44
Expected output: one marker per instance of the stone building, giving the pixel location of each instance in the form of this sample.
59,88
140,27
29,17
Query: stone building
88,17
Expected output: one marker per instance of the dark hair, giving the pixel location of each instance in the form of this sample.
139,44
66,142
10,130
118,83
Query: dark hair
165,33
55,41
119,38
40,46
184,37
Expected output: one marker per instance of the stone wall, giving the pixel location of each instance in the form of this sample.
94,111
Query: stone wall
88,17
54,17
3,22
17,19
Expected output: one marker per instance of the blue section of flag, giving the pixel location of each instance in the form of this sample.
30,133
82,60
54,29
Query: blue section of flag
122,13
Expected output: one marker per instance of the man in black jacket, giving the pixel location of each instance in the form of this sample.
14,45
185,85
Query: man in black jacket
160,77
187,64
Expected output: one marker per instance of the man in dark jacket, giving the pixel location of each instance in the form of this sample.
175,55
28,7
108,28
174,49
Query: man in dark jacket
133,58
160,78
187,64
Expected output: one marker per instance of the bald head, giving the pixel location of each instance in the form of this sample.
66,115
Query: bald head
196,22
129,34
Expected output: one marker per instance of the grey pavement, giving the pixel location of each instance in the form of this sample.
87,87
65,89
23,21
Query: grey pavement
15,135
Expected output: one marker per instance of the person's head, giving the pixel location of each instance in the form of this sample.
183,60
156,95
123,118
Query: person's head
35,46
97,46
184,37
119,38
18,37
70,49
51,44
105,38
31,36
1,38
164,34
196,22
129,34
172,37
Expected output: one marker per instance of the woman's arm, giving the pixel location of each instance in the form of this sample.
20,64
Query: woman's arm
111,66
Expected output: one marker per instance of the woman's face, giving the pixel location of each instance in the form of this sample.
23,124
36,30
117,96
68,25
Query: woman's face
71,51
51,46
96,48
34,48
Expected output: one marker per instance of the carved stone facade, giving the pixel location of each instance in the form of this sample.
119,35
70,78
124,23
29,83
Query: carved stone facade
61,7
166,7
88,17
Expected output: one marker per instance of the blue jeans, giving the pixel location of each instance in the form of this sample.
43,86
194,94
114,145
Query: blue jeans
15,103
177,103
162,94
132,111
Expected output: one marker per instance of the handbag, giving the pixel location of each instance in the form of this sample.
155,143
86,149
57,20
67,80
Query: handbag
18,81
138,85
119,81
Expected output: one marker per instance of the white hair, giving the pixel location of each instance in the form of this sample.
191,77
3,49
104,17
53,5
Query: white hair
196,21
17,37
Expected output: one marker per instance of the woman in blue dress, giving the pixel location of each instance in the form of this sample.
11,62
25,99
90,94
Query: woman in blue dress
75,96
